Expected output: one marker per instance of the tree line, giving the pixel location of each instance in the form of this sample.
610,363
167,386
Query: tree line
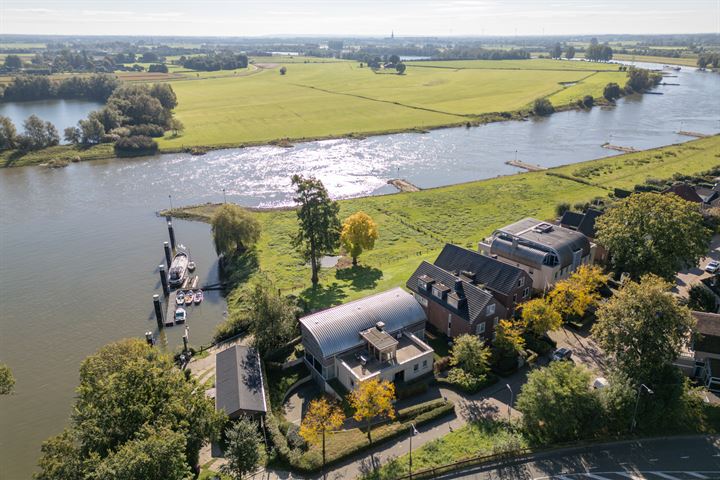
711,59
96,87
215,61
479,53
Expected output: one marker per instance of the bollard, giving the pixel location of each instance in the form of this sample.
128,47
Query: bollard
168,257
172,235
163,280
149,338
158,311
185,343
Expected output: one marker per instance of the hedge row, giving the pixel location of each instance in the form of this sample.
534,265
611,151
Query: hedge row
491,379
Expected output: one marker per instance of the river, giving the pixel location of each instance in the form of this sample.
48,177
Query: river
80,245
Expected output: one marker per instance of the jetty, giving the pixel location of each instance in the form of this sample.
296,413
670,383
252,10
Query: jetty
527,166
619,148
692,134
403,185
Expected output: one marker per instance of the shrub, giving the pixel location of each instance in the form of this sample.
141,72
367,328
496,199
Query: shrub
294,439
148,130
542,107
588,101
561,208
701,299
612,91
136,145
236,324
415,410
441,365
407,390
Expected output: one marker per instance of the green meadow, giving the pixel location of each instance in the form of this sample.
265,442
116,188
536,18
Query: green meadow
415,226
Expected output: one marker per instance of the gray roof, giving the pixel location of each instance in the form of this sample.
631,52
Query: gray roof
239,382
559,239
476,298
582,222
492,273
337,330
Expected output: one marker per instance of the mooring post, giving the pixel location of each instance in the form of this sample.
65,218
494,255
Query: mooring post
149,338
163,280
158,311
185,343
168,257
172,235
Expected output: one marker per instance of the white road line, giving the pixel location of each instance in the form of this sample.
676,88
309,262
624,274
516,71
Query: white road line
665,475
633,476
697,475
595,476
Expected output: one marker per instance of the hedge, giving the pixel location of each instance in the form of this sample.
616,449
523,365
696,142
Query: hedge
490,379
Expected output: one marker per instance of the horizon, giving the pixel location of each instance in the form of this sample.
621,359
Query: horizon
367,19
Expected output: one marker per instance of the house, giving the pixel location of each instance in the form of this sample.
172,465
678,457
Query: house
585,224
466,292
703,196
705,349
548,253
239,382
685,191
380,336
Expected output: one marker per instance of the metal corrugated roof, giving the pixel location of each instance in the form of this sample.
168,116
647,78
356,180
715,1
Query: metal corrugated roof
337,329
562,240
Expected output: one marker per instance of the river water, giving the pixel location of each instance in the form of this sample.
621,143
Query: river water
80,245
61,113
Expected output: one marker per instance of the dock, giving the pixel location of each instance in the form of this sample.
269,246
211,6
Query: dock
619,148
527,166
403,185
692,134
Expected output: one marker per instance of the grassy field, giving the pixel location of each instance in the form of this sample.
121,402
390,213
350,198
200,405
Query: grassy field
591,85
688,62
415,226
337,99
534,64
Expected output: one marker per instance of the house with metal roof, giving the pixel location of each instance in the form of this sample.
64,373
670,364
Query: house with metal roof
239,388
380,336
585,224
466,292
547,252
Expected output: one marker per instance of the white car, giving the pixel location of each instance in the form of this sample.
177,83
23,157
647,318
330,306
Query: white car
713,266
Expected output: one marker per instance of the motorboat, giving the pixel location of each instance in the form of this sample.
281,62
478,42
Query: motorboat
180,297
189,297
191,266
180,315
198,297
178,269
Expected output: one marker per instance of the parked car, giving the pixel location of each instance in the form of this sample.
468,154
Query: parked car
713,266
561,354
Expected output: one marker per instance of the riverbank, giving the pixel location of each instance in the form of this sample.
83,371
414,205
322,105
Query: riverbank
414,226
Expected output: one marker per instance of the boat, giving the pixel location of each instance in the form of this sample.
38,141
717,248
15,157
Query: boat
191,266
198,297
178,269
180,315
188,297
180,297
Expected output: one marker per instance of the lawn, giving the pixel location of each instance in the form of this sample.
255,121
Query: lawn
415,226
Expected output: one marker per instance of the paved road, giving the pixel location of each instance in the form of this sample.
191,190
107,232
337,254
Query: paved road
678,458
687,278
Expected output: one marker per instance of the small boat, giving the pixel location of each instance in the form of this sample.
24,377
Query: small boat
180,297
191,266
178,269
188,297
180,315
198,297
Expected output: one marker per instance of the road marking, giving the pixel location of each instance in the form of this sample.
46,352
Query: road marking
696,475
685,457
665,475
633,476
595,476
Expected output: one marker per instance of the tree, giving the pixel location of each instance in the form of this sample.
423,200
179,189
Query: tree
319,227
556,50
558,404
561,208
508,337
542,107
234,229
38,134
283,70
471,355
13,62
651,233
359,233
576,294
372,399
400,67
130,392
7,381
540,316
244,451
642,328
702,299
91,131
165,95
72,135
271,318
321,416
394,59
611,91
570,52
176,126
588,101
8,134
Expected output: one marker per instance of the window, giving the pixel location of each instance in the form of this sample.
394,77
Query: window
515,298
422,285
480,328
452,301
416,367
526,292
436,292
352,383
424,363
496,320
521,281
490,309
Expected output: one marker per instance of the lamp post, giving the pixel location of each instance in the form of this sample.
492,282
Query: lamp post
224,197
170,197
413,432
512,397
637,402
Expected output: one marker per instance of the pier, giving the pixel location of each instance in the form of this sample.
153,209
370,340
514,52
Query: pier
619,148
527,166
692,134
403,185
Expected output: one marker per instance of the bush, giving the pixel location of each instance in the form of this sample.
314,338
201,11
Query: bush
612,91
542,107
588,101
561,208
415,410
466,383
236,324
158,68
148,130
407,390
701,299
441,365
137,145
294,439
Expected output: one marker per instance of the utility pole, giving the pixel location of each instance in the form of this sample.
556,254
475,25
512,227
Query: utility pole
637,402
413,432
512,397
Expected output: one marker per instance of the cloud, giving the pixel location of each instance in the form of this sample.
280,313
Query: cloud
31,10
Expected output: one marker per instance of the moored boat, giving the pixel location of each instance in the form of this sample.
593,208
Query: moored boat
180,297
180,315
198,297
178,269
188,297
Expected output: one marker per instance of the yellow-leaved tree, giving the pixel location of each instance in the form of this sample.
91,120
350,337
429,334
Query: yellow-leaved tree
509,337
372,399
359,233
573,296
322,416
540,316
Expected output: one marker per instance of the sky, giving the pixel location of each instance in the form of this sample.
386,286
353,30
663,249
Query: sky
345,18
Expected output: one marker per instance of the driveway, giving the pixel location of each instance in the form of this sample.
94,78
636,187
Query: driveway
687,278
585,351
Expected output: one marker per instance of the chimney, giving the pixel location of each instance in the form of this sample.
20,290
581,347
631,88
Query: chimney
380,326
515,242
458,284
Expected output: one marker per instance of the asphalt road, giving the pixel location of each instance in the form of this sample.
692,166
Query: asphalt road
679,458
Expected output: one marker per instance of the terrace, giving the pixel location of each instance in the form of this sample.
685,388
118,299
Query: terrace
363,365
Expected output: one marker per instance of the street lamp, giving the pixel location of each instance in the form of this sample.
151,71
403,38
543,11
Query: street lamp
413,432
170,197
512,396
224,198
637,402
